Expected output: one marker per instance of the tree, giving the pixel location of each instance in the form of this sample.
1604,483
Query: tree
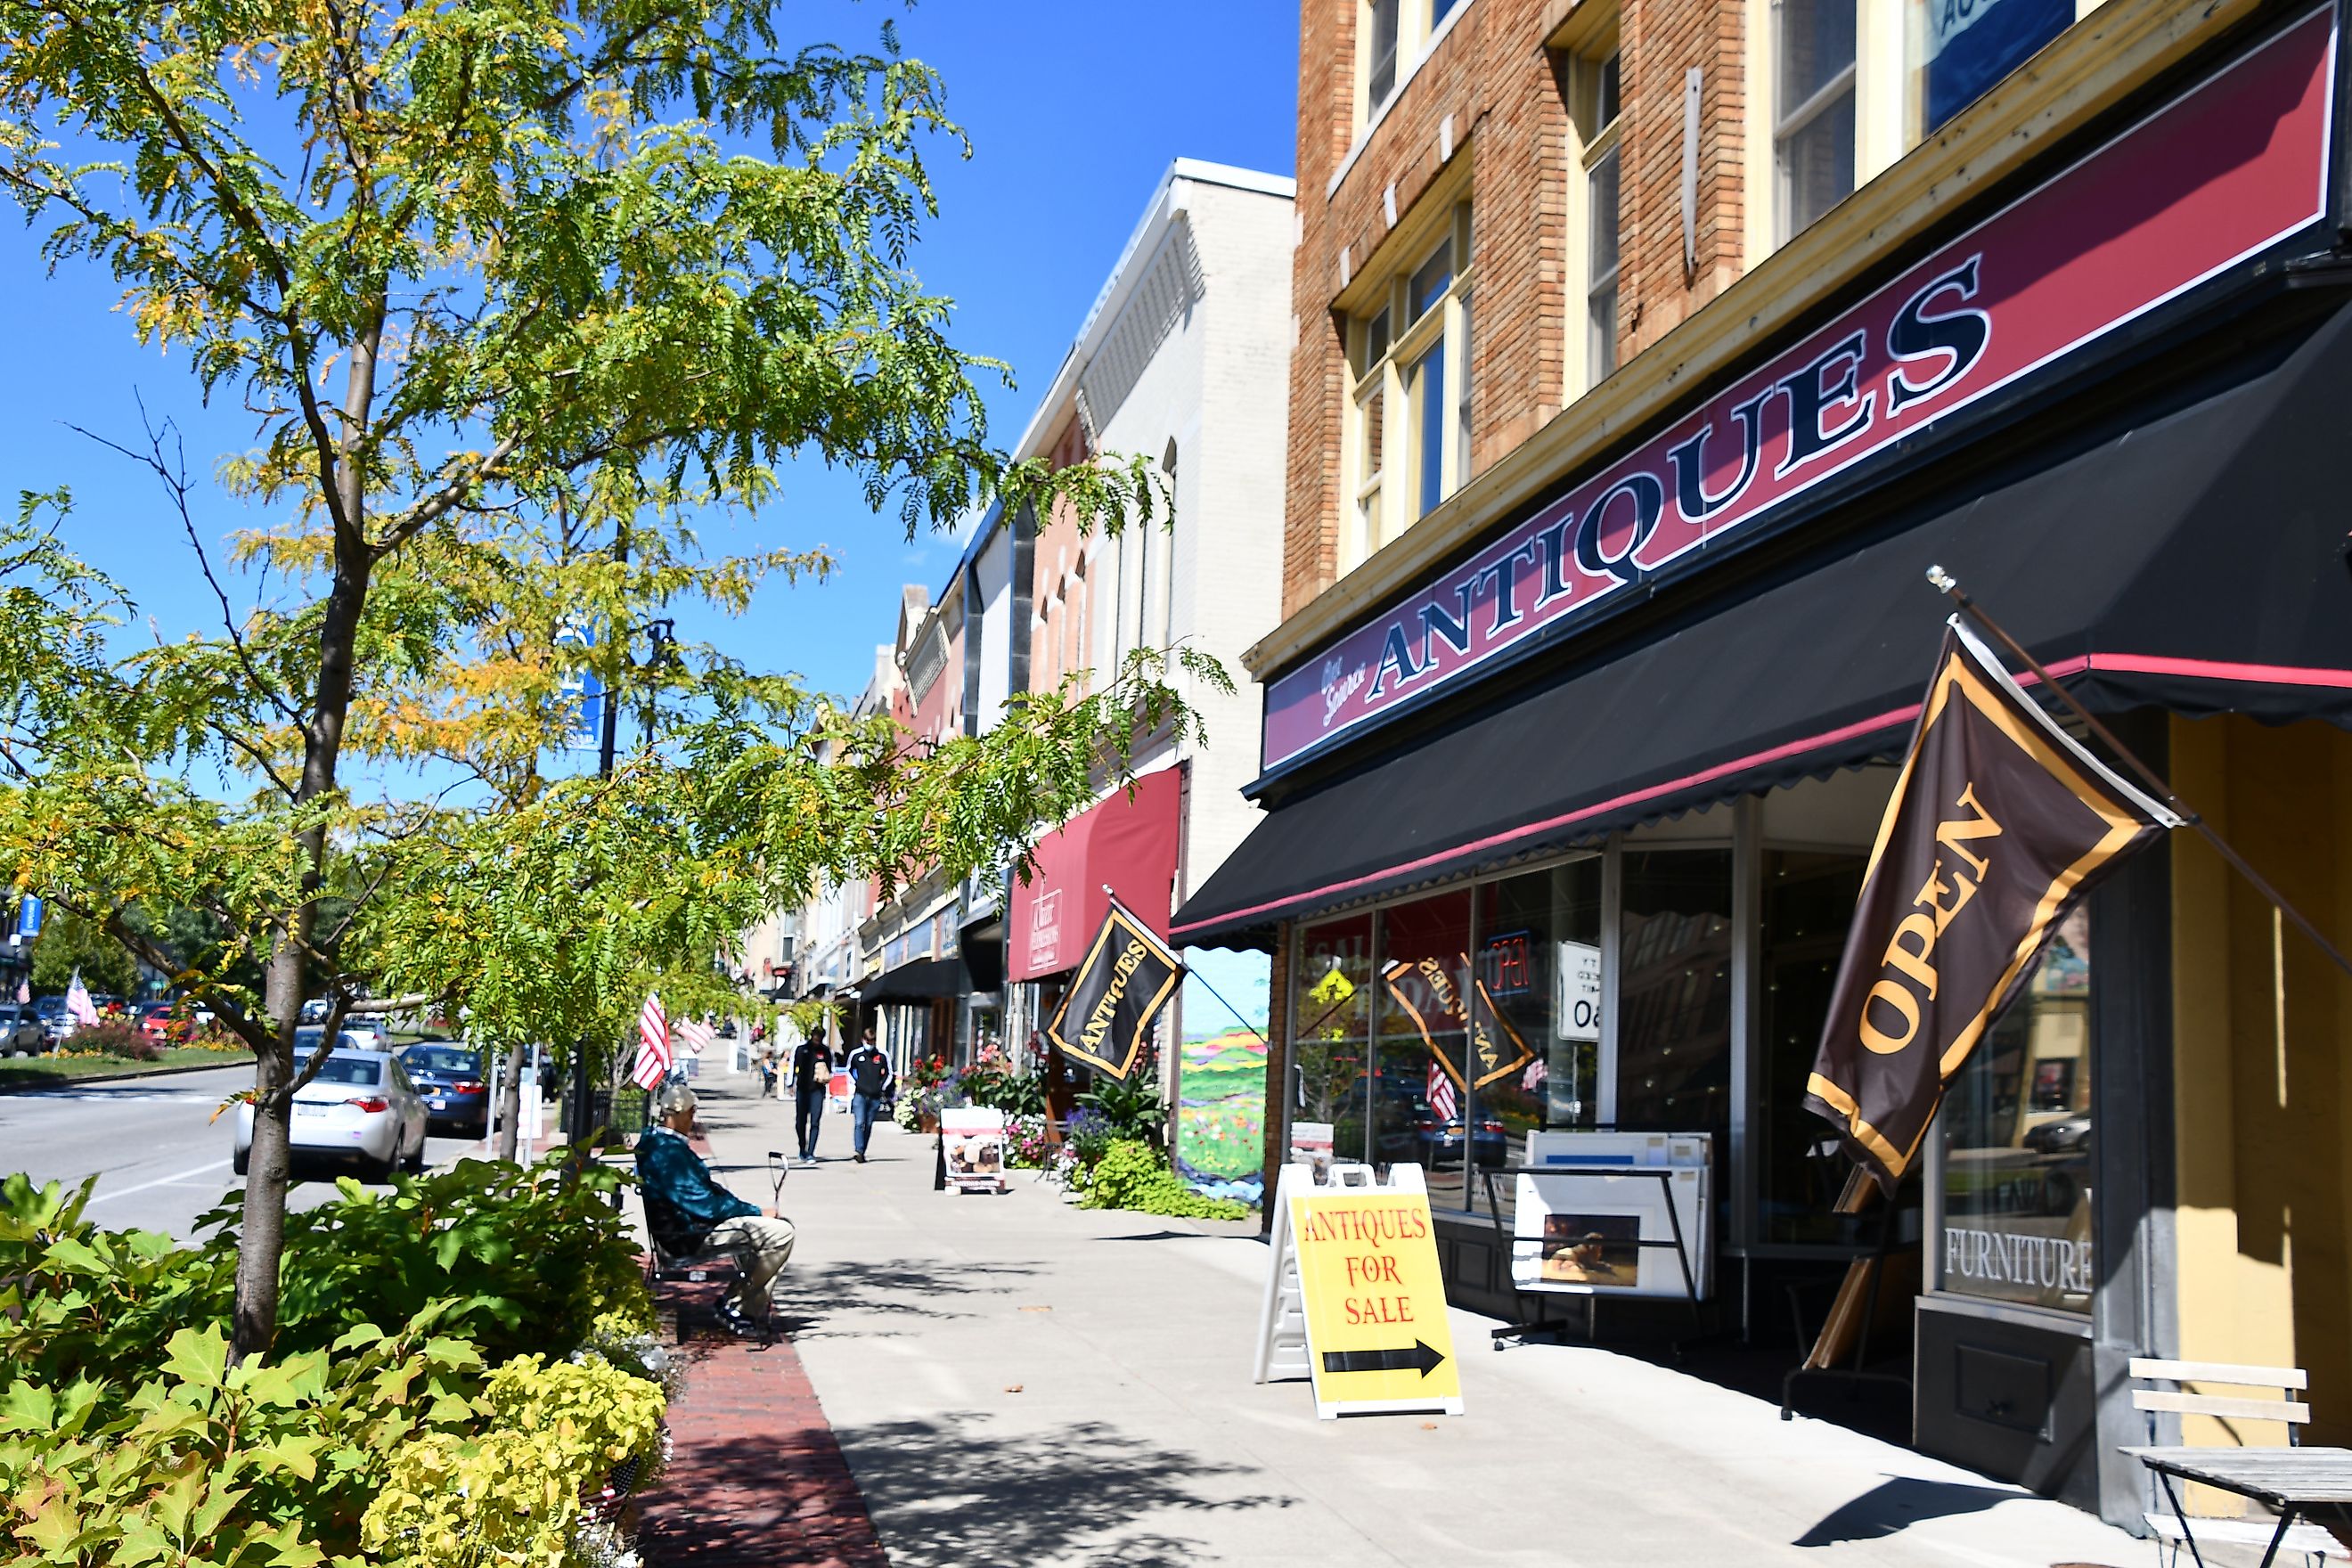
68,945
467,279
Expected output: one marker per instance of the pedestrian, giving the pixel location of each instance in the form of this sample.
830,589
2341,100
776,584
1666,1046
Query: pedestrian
811,1079
869,1086
691,1212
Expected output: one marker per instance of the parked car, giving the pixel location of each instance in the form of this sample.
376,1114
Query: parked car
51,1011
1439,1143
361,1108
21,1030
165,1023
450,1078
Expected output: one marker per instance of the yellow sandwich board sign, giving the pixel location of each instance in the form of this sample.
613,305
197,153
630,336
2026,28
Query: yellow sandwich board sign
1369,1292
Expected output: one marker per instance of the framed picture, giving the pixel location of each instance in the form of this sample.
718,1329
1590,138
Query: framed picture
1591,1249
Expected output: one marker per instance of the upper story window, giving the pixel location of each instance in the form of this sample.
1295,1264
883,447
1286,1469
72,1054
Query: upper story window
1813,109
1409,358
1392,35
1593,74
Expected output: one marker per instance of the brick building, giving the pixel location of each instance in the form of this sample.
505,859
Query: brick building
1644,354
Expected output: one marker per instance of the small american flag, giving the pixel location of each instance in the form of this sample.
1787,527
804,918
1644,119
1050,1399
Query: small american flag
694,1035
1441,1102
652,1044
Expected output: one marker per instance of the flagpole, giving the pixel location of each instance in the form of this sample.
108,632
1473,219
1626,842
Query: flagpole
1948,585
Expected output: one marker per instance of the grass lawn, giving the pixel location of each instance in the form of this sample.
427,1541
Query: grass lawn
46,1072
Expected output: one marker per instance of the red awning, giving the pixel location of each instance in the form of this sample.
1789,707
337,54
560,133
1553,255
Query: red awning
1127,841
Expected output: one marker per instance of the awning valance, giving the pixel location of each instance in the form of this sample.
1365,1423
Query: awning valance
920,980
2191,558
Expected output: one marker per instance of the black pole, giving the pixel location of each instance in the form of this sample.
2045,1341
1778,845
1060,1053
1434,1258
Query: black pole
609,730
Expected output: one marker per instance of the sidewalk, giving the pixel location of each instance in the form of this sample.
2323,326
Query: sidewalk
1015,1382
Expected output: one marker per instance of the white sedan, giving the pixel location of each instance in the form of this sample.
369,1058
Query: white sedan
361,1108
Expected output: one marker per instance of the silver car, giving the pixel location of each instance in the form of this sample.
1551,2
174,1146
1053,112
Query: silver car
361,1107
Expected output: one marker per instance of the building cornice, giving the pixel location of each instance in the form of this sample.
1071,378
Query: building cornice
2082,74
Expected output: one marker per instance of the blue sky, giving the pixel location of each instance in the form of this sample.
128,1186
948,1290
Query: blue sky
1075,108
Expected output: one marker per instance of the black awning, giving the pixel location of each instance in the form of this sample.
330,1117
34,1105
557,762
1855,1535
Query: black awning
920,980
2192,559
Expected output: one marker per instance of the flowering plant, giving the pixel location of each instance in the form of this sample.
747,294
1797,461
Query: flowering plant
929,1073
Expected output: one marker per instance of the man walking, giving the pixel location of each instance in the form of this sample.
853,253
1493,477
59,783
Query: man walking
812,1078
688,1211
869,1085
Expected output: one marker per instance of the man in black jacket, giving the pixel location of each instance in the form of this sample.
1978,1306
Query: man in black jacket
812,1078
869,1085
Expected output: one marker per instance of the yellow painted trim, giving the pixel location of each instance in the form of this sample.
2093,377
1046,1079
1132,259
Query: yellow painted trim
2088,70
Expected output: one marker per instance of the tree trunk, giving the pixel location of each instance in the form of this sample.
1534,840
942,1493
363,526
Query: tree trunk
510,1103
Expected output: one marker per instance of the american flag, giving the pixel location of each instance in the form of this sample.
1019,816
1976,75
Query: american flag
78,1006
1441,1102
653,1043
694,1035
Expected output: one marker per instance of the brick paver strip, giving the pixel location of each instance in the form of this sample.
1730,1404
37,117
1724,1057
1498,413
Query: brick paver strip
755,1478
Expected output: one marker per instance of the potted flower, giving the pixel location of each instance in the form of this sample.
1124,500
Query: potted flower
929,1079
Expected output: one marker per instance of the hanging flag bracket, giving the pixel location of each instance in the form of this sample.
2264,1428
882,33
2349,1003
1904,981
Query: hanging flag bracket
1946,585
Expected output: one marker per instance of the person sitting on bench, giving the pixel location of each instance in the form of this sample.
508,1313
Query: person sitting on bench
688,1211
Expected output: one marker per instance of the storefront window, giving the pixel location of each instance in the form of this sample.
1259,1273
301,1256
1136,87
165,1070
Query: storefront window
1332,1014
2016,1133
1808,905
1424,1061
1673,1021
1539,968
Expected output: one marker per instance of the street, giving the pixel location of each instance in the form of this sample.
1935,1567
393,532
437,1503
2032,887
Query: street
160,1159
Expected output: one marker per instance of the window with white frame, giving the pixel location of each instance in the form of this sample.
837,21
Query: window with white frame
1392,35
1408,353
1814,109
1598,83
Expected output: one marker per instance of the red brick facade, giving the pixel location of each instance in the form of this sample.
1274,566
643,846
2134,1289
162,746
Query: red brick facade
1504,93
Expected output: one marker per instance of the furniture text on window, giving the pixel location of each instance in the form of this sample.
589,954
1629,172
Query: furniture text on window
1813,109
2016,1141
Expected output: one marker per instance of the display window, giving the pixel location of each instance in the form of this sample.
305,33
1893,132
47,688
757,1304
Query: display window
1331,1012
1432,1045
1674,1027
1539,980
2015,1140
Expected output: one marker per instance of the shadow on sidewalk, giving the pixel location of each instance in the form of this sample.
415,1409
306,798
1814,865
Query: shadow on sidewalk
1900,1501
806,1300
943,1494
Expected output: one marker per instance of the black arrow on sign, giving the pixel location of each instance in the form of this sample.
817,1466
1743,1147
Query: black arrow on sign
1421,1356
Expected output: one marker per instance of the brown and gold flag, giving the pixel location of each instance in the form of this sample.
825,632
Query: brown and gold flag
1999,824
1106,1015
1432,996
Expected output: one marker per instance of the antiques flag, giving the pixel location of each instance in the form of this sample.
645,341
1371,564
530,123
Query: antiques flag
653,1043
1998,825
1430,996
1127,977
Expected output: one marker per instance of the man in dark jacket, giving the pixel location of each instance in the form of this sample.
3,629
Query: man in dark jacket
869,1085
688,1211
811,1079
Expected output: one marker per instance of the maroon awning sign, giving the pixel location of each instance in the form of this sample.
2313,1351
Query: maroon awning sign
1127,841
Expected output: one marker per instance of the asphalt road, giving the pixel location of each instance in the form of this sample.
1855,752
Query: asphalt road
160,1159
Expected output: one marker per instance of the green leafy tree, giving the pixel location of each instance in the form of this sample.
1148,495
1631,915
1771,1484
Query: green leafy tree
475,271
69,945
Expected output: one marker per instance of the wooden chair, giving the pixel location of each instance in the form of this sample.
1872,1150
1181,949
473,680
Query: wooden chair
2172,1528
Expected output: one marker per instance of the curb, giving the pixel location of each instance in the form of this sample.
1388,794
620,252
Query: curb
109,1077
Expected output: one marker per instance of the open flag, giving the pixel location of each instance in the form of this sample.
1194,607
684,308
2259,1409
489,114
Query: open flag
78,1006
1999,825
694,1036
1127,975
653,1043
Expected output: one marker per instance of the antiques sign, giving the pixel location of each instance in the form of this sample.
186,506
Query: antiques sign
2227,172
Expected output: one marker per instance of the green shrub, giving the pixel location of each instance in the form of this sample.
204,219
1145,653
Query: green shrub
125,1437
1133,1176
1131,1110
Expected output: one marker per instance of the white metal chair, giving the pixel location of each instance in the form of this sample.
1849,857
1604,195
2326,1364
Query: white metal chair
2172,1528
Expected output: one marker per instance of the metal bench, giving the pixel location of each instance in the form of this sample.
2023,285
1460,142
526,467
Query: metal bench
2291,1481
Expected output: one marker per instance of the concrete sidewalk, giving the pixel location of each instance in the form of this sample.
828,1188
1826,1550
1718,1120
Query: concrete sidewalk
1016,1382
